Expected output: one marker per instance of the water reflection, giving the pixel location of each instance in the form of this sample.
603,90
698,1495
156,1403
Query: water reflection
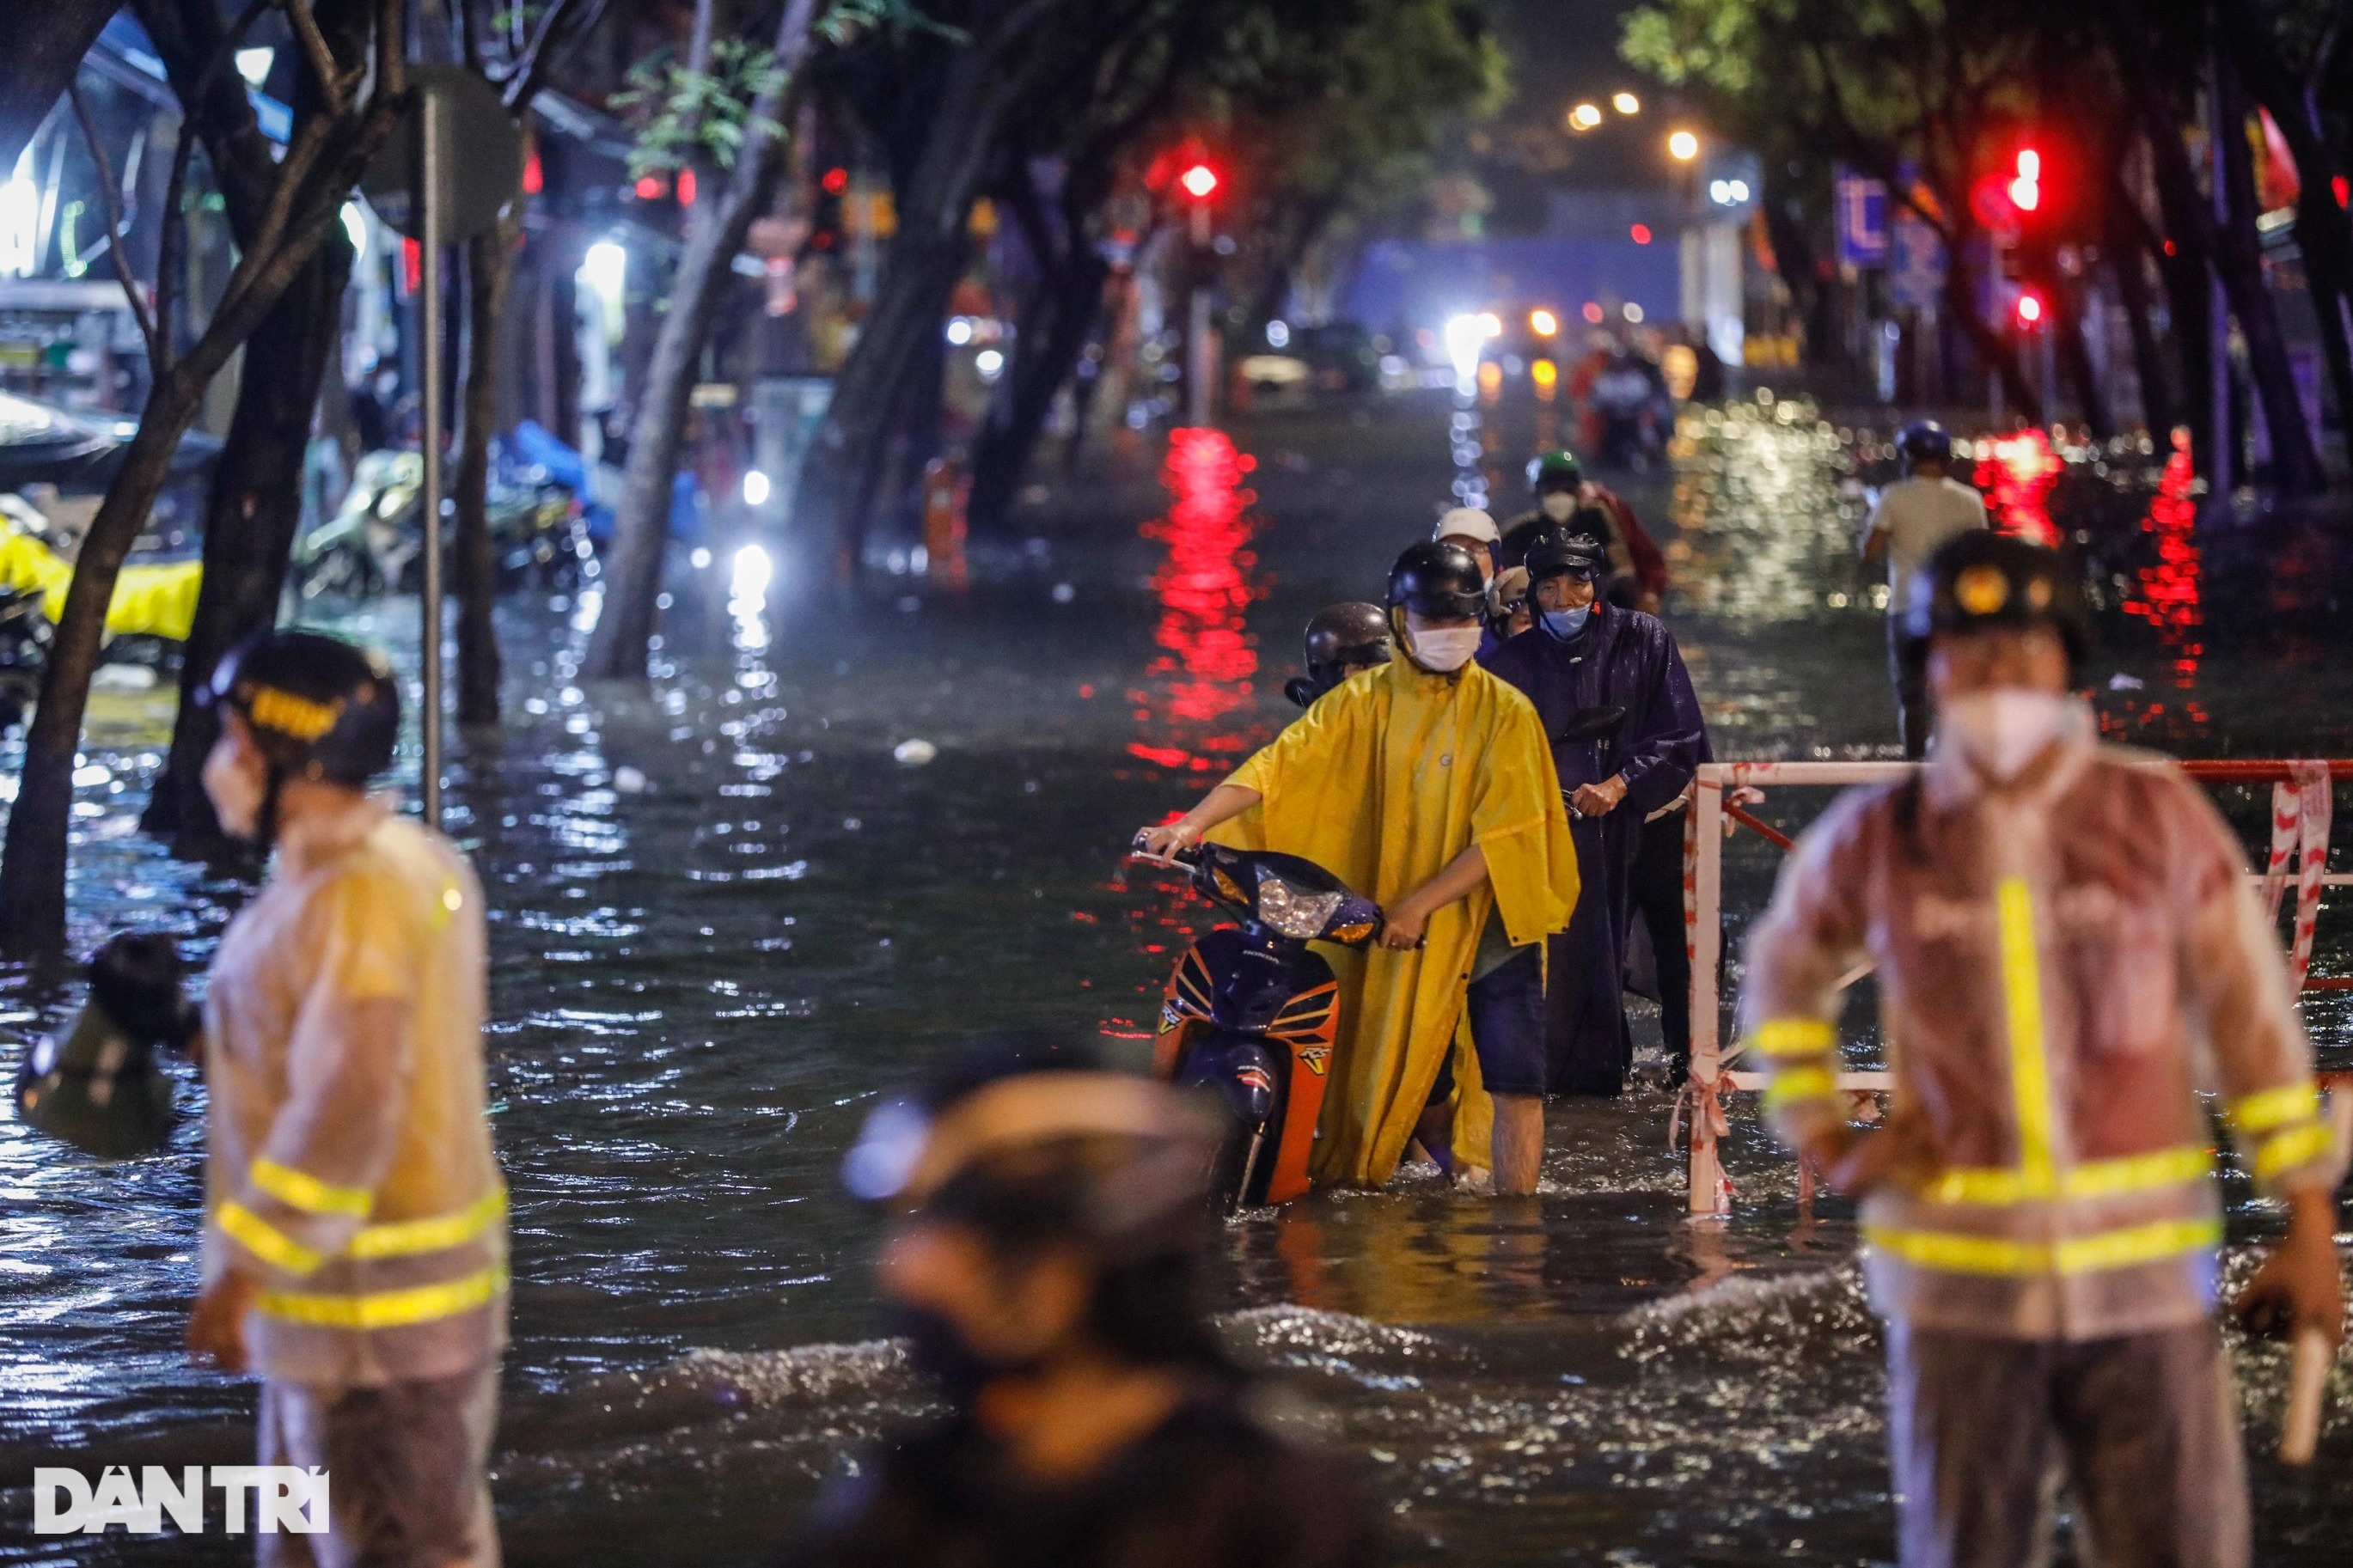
1195,696
2017,473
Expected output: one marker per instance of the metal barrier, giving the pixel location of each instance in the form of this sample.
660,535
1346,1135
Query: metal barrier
2300,821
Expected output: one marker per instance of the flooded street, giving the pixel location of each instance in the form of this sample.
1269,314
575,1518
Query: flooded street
726,917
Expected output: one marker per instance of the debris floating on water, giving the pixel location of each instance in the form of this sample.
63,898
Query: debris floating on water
913,754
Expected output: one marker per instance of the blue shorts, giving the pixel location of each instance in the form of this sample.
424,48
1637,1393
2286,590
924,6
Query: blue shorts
1507,1029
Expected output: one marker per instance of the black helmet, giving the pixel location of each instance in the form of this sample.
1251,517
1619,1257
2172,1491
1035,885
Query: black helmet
1438,581
319,707
1566,550
1340,635
1923,441
1557,467
1986,579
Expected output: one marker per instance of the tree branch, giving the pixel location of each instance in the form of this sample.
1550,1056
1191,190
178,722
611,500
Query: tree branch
112,194
549,48
321,59
175,222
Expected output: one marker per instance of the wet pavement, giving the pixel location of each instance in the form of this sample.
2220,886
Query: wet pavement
726,918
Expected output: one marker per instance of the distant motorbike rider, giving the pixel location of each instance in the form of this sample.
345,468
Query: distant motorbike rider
1344,639
1475,531
2068,951
1914,518
1638,571
355,1240
1610,688
1043,1260
1428,785
1631,408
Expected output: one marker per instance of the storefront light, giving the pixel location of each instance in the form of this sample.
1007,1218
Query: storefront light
20,219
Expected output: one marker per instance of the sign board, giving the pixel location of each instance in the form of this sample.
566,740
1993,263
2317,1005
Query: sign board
1861,206
482,167
1915,263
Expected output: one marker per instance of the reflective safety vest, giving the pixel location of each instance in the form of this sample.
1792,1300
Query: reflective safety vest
2063,968
350,1165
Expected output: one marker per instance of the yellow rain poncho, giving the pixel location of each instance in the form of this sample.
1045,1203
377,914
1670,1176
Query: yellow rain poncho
1383,782
157,599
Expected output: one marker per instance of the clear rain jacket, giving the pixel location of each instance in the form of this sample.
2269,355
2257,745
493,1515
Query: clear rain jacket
2063,966
360,1187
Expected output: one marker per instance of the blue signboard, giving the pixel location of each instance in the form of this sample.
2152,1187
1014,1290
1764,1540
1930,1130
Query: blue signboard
1915,263
1861,220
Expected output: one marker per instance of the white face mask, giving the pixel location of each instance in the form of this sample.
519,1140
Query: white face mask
2001,732
237,786
1559,505
1443,649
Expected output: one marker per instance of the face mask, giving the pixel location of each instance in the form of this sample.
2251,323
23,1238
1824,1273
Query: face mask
1566,624
1444,650
2003,730
1559,505
938,1350
239,798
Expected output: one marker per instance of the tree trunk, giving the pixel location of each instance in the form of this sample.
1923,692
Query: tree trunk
2128,264
721,217
926,253
490,268
251,516
43,42
2076,360
2238,254
1055,328
33,874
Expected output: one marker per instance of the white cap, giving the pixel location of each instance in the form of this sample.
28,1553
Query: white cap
1468,523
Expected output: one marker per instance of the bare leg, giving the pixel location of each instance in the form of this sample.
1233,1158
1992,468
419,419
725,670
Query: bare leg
1519,1141
1435,1132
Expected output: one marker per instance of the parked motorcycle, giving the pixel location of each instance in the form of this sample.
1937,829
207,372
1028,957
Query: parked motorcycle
374,543
1252,1010
25,635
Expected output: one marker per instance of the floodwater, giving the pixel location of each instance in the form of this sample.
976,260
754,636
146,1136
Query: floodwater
726,920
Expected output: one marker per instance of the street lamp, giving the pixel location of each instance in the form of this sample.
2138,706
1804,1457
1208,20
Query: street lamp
1542,322
1683,146
1584,117
1626,104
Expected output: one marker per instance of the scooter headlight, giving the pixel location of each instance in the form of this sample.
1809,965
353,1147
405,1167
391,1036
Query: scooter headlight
1292,911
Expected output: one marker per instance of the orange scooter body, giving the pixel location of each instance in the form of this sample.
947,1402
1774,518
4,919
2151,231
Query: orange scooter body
1298,1042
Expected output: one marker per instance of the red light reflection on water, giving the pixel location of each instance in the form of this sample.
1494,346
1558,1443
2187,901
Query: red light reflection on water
1197,707
2017,479
2167,595
1202,679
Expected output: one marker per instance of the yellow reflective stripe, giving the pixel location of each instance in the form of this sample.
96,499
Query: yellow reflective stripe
265,1240
1958,1254
2138,1172
299,1189
385,1309
2275,1108
1996,1186
2021,984
2286,1150
1791,1037
1799,1083
405,1238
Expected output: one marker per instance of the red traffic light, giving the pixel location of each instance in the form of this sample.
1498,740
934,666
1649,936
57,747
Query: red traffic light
2028,309
1199,181
2026,190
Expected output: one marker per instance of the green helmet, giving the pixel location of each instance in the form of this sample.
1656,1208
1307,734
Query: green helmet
1557,467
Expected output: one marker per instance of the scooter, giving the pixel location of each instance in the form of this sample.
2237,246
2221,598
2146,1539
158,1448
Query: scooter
1252,1011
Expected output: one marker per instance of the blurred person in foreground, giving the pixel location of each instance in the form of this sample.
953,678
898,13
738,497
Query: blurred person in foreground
1044,1266
1915,517
2067,951
355,1246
